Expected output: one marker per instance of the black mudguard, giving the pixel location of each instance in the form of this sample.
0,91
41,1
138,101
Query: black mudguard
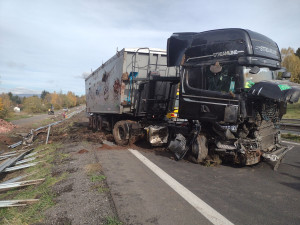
278,90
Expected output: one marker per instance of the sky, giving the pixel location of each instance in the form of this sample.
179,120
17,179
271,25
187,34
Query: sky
52,45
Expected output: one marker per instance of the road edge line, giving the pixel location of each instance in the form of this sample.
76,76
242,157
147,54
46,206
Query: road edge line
207,211
291,143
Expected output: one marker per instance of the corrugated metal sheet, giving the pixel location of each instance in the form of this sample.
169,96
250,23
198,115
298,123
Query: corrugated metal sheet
12,203
15,179
20,167
8,186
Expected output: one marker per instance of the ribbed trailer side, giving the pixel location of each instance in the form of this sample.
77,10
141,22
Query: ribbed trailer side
103,86
111,89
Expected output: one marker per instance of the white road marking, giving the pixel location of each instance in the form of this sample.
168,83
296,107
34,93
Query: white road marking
291,143
212,215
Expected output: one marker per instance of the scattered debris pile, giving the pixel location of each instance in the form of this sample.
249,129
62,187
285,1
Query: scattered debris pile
76,130
19,159
6,126
12,161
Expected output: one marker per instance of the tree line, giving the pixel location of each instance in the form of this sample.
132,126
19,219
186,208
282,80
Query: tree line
291,61
38,104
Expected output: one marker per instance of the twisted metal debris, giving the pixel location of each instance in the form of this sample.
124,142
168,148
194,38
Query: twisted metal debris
16,160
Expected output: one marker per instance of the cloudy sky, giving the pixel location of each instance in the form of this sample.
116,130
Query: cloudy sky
52,44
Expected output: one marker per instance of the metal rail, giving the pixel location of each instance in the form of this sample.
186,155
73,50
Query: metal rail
291,121
48,126
10,162
290,125
12,185
11,203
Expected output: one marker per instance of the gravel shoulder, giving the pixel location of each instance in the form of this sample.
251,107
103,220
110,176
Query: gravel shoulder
83,197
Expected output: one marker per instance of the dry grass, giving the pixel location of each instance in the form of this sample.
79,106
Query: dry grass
92,168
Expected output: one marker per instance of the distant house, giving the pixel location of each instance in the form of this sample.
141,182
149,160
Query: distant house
17,109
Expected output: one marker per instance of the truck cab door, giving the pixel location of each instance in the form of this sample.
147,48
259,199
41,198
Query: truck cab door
209,96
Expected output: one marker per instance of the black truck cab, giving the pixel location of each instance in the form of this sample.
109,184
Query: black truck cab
228,82
235,52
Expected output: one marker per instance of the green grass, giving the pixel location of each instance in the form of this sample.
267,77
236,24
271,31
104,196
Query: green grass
43,122
293,111
291,137
102,189
97,178
17,116
33,213
112,221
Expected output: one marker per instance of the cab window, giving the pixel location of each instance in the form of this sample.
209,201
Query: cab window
203,78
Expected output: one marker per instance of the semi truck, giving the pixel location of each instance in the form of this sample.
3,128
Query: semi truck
230,99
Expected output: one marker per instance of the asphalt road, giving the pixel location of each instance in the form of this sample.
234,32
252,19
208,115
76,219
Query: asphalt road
248,195
40,117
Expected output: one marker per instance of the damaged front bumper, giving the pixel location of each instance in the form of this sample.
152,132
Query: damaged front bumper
246,156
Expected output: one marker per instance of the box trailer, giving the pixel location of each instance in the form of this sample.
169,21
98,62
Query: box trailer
135,83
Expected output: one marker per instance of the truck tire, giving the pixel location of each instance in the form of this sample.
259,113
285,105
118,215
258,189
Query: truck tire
99,123
120,133
94,123
90,122
200,148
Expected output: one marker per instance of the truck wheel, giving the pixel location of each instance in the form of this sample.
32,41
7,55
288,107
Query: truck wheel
200,149
90,122
99,123
94,123
120,133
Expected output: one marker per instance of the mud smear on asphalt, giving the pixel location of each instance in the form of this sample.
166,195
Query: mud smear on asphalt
82,151
144,146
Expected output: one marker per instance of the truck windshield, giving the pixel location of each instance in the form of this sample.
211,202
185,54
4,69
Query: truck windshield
250,79
202,77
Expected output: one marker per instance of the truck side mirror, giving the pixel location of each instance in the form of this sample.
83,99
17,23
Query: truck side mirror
286,75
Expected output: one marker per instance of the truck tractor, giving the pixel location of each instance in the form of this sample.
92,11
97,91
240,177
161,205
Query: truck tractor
230,99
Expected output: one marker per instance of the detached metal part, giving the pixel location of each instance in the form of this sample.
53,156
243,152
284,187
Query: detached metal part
178,146
12,203
157,135
18,178
7,186
20,167
15,145
277,155
12,161
25,160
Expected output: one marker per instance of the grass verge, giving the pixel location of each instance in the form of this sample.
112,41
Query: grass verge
112,221
95,178
293,111
291,137
17,116
33,213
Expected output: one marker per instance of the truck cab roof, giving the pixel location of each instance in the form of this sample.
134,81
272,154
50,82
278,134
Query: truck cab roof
246,46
